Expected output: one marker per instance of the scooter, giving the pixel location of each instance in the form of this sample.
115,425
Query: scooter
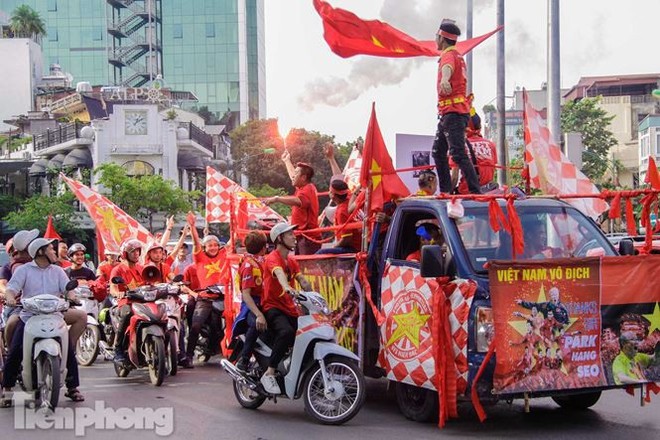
174,310
146,333
89,343
212,330
318,369
45,347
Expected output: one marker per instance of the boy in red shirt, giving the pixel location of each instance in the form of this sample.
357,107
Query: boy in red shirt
453,109
281,270
346,241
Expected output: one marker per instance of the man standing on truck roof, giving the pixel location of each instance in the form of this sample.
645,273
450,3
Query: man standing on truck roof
453,110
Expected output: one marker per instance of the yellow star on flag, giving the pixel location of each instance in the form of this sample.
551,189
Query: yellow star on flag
654,318
212,268
376,42
408,325
375,178
110,222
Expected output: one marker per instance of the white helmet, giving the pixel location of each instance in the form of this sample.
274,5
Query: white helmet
37,244
209,238
280,229
23,238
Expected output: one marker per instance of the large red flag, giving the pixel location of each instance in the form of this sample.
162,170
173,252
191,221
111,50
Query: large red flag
112,223
50,230
550,170
377,168
652,175
349,35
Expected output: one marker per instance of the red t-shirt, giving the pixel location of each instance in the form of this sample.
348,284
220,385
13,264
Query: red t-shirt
415,256
64,263
274,295
252,277
190,276
456,102
104,270
210,270
306,216
341,216
486,155
131,275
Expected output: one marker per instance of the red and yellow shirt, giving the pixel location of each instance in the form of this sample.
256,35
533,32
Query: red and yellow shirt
131,275
274,295
252,277
456,102
341,216
209,270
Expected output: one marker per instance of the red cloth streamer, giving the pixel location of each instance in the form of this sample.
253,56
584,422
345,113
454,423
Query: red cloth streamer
364,281
615,206
497,217
630,217
474,394
647,202
516,228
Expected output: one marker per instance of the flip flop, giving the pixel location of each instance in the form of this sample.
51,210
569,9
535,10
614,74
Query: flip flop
6,400
74,395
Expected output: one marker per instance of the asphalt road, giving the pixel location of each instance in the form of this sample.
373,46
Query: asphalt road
199,404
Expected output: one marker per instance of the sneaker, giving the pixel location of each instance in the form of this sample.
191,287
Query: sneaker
270,384
242,365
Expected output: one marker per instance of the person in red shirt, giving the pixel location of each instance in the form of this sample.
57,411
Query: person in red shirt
130,271
346,241
304,204
280,272
453,109
62,255
156,255
428,234
209,260
485,155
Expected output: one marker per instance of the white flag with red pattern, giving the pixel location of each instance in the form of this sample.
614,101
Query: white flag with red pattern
219,189
352,169
112,224
551,171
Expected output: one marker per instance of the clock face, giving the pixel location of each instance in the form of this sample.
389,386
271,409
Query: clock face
135,122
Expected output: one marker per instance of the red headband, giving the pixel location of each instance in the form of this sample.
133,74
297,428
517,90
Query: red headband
340,192
448,35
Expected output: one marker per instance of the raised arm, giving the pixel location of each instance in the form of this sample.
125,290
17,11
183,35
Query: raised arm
329,150
286,158
197,244
169,224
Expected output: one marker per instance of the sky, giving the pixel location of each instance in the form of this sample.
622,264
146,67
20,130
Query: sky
310,87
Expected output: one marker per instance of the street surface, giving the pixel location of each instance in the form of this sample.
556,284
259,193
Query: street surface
204,407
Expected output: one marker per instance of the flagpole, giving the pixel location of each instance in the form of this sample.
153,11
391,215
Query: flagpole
365,222
501,113
468,58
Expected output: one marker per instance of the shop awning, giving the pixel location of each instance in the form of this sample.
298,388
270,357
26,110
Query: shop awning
39,167
78,158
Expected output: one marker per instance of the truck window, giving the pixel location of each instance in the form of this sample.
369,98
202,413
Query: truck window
549,232
407,241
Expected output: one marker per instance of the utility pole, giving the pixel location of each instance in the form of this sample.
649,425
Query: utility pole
554,76
468,31
501,112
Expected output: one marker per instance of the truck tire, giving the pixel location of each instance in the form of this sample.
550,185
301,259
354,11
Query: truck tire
578,401
415,403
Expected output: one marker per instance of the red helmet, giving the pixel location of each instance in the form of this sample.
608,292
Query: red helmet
129,246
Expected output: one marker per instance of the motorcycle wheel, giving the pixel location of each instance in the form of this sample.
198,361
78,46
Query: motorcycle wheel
344,402
172,355
121,371
156,349
87,348
248,398
48,380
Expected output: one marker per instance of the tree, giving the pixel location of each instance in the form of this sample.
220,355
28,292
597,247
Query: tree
25,22
266,190
34,212
585,117
142,197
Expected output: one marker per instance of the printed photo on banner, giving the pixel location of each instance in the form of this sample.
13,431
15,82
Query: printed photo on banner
332,277
547,325
420,159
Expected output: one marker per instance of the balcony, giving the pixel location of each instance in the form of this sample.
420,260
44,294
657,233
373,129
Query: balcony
65,137
194,138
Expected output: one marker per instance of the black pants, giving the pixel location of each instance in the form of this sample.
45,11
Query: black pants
15,357
125,313
284,329
450,136
203,311
251,335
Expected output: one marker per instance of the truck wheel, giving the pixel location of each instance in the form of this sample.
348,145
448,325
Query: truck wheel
415,403
578,401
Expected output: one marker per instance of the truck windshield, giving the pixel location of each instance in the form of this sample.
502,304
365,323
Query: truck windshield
549,232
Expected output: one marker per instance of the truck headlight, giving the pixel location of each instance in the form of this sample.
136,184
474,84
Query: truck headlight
484,328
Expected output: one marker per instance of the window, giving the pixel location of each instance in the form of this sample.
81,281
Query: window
210,30
52,5
657,144
177,30
97,34
138,168
52,35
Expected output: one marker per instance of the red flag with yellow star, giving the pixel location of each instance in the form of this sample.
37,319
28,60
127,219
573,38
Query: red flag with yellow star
349,35
377,168
112,223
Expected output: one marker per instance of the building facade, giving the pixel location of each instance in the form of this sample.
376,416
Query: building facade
649,143
213,48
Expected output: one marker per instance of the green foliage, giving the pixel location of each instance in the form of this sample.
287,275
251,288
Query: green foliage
490,108
592,122
142,197
266,190
7,204
26,22
171,115
34,211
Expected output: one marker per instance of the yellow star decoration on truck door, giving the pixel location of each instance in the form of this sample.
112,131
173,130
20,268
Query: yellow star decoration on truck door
212,268
409,325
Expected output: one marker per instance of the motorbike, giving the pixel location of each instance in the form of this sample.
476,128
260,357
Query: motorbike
93,341
45,347
212,330
174,309
323,373
146,332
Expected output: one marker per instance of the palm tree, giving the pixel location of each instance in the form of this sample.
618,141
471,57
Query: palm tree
27,23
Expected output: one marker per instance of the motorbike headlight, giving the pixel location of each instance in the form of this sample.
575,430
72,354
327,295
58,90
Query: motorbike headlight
484,328
149,295
47,305
319,303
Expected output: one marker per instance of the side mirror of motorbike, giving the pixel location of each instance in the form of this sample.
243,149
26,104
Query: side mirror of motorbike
71,285
117,280
433,263
178,278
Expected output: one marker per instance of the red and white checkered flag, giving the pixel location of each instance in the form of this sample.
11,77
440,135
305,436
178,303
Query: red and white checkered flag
219,189
112,223
352,169
551,171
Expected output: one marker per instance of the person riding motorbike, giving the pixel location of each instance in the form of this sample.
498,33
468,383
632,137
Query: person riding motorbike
156,255
38,277
281,270
250,319
79,271
130,271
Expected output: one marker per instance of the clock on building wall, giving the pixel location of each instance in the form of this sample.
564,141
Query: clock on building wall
135,122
